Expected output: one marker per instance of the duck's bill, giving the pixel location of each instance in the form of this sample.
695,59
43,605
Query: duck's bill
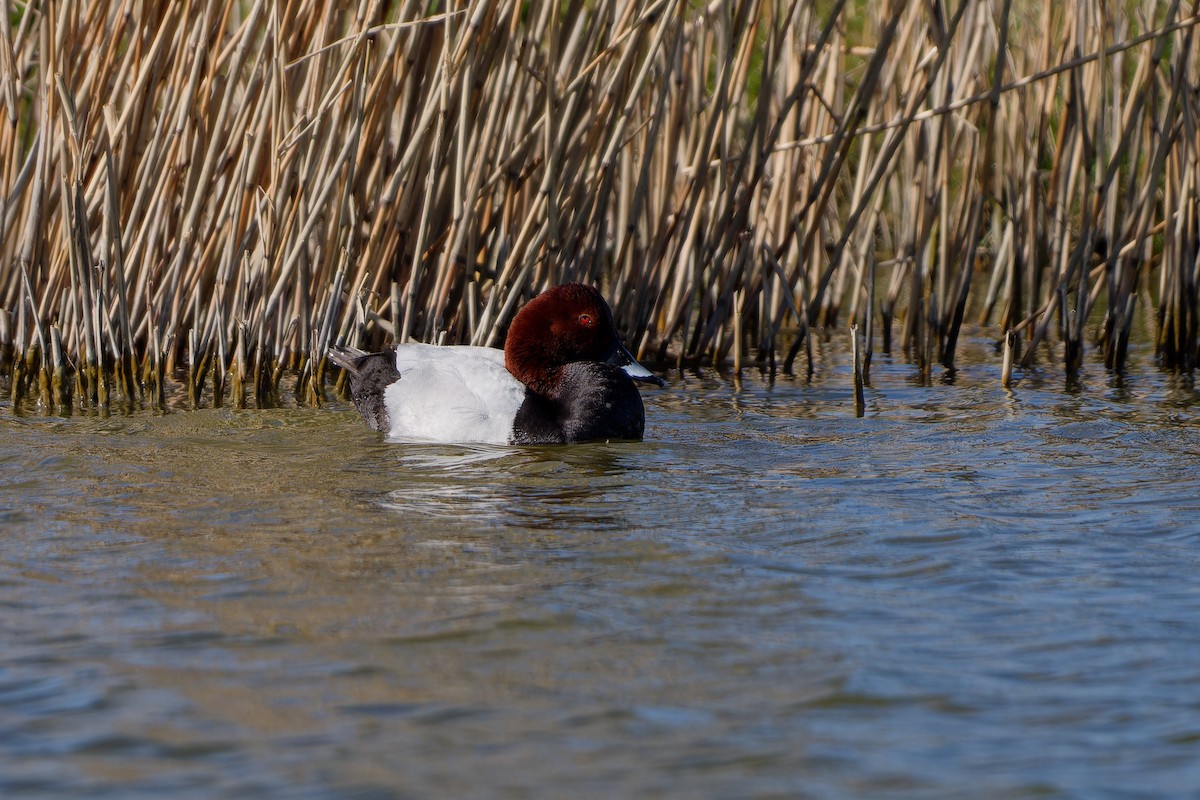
620,357
640,373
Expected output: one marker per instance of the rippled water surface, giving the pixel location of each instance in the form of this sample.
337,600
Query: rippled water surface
967,592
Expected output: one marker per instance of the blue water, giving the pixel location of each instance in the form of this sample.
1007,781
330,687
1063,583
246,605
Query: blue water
966,593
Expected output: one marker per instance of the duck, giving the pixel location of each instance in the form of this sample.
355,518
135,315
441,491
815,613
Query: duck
563,377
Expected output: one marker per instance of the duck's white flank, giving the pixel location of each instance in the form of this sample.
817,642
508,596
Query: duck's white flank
452,394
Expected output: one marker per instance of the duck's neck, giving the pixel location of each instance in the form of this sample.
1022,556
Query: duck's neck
520,352
547,384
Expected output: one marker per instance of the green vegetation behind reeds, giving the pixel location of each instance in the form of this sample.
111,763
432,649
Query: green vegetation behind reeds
223,188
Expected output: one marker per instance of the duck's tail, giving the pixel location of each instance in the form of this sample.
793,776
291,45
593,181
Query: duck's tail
347,357
370,375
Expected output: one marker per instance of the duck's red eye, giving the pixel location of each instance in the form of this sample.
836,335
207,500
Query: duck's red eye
587,320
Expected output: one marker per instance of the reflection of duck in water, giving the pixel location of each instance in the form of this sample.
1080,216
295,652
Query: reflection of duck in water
563,377
543,488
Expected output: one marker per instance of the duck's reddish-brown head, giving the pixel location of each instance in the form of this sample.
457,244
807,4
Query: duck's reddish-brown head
562,325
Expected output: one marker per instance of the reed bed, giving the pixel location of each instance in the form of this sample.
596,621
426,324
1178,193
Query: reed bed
215,191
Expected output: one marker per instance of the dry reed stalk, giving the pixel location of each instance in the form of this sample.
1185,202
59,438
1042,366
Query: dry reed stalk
229,187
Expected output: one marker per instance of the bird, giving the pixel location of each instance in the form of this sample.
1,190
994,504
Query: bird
563,377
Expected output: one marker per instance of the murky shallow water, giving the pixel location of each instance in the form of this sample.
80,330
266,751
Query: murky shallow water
966,593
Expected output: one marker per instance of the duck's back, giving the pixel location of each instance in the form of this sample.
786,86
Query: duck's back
452,394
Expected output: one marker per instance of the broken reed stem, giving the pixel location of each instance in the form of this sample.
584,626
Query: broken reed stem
226,192
856,350
1006,364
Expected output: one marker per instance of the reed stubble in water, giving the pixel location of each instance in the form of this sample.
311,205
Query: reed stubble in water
219,190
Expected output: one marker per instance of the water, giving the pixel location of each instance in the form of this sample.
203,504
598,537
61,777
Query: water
968,592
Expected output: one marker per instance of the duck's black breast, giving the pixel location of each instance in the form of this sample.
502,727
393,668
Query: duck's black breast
591,402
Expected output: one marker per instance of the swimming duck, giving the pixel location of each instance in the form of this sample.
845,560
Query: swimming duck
563,377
